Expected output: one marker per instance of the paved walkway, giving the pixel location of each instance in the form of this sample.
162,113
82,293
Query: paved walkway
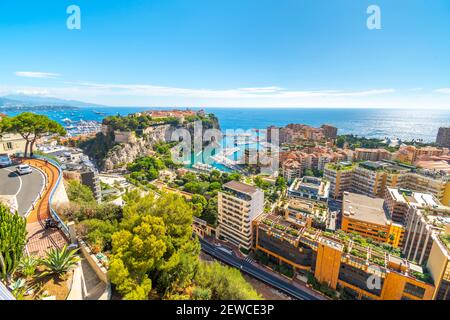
39,239
86,285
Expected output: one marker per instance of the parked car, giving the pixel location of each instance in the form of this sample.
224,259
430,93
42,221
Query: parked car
5,161
24,169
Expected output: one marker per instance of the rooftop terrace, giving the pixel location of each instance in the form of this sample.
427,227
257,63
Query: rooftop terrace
364,208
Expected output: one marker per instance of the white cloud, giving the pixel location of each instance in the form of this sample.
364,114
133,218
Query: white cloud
272,92
443,90
33,92
32,74
259,97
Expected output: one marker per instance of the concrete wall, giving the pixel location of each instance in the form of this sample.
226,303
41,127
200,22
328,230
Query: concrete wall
60,197
99,270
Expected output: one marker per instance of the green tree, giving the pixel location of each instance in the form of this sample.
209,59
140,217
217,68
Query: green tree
12,242
79,193
220,282
99,232
136,251
154,247
281,183
199,203
31,127
210,211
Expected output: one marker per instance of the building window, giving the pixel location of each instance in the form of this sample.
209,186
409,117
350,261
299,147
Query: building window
414,290
8,146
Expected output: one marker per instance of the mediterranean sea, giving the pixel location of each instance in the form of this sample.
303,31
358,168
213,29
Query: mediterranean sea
372,123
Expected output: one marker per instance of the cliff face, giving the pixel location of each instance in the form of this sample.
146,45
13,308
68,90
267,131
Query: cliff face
127,152
112,155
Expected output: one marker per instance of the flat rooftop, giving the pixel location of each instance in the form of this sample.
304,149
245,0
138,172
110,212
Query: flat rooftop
415,198
364,208
241,187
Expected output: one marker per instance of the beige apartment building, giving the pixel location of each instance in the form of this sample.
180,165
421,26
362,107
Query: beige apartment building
238,206
422,221
11,144
371,179
438,264
340,177
363,154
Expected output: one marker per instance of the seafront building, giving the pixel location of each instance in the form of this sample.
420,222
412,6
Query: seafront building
238,205
298,133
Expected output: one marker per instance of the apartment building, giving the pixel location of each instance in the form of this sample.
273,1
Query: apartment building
297,133
443,137
363,154
301,212
341,264
310,188
294,162
329,131
368,179
292,169
11,144
422,221
428,182
398,201
439,264
238,205
411,154
372,178
368,217
340,177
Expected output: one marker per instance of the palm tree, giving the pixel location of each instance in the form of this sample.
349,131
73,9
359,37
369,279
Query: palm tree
60,261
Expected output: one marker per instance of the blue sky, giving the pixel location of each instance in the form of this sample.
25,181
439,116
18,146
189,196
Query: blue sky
249,53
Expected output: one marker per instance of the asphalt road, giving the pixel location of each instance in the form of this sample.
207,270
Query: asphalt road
26,188
232,260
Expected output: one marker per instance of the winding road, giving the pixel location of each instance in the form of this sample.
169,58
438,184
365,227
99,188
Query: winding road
26,188
265,276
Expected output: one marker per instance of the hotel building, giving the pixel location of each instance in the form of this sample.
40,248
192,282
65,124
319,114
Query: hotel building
238,205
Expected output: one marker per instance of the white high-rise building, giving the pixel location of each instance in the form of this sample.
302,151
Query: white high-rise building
238,205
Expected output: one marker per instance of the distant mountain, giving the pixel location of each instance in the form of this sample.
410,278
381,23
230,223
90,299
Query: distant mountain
7,102
26,100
